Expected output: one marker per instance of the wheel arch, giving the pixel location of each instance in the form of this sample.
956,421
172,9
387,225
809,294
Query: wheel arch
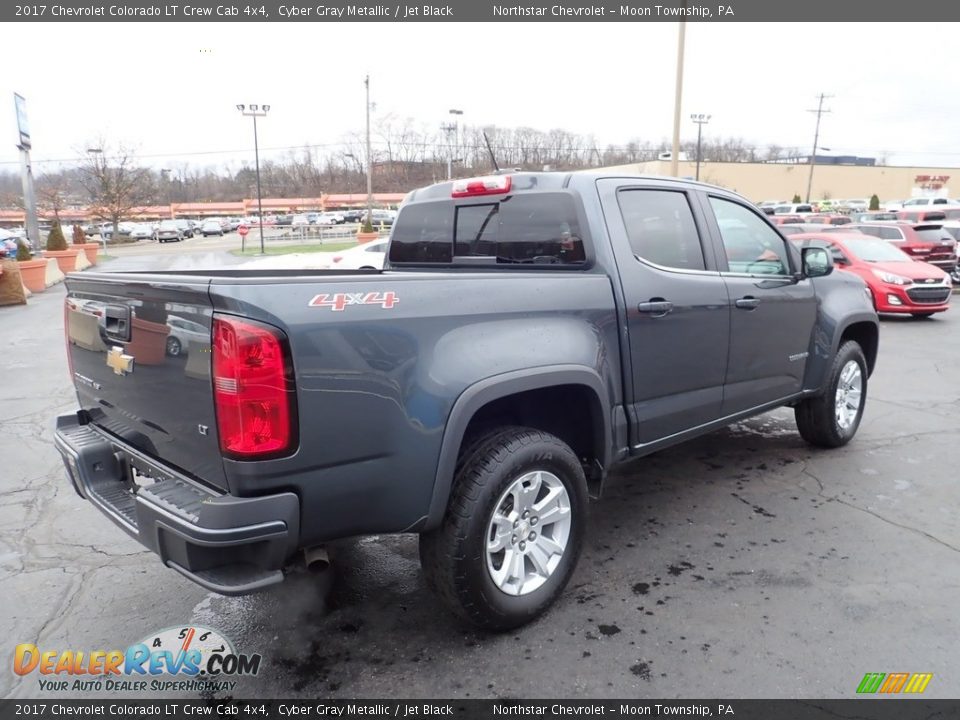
528,397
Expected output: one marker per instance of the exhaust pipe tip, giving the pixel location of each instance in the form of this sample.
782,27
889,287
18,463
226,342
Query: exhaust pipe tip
317,559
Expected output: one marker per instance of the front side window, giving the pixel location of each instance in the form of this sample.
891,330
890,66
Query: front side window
661,228
751,246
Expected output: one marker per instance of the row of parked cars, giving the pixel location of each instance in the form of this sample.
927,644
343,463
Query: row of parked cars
907,257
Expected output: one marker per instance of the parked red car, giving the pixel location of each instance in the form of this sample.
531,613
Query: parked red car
787,219
921,216
897,282
829,219
927,242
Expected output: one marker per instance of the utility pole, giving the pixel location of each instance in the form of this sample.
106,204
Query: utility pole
366,83
816,137
700,119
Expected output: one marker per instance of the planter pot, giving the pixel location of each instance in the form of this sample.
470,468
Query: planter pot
148,342
11,285
90,249
66,259
34,274
363,237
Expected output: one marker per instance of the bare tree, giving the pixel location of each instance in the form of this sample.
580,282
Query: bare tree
53,194
115,182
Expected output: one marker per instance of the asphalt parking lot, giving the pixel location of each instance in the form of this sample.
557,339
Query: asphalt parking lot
742,564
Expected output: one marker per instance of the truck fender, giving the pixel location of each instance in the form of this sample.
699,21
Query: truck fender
825,346
475,396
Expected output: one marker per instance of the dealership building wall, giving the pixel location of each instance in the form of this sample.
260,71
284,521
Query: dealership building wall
774,181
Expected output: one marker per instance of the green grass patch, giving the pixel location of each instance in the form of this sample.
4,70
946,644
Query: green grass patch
253,248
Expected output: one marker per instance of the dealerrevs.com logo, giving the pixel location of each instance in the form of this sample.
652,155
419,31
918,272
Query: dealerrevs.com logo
191,658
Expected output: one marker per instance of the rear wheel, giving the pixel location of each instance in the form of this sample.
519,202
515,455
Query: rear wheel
832,419
173,346
513,530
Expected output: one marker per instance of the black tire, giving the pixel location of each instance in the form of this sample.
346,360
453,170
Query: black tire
817,417
174,348
922,315
453,556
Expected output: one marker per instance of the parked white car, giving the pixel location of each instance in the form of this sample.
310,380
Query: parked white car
182,333
369,255
330,218
299,221
142,231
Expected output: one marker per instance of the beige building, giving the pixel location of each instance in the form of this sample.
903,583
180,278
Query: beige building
773,181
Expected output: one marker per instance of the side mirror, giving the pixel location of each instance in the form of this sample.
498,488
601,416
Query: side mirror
817,262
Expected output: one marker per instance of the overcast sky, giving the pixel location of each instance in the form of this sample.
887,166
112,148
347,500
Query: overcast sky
170,90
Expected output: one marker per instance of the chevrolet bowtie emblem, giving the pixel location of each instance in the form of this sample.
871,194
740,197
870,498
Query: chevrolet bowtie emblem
119,361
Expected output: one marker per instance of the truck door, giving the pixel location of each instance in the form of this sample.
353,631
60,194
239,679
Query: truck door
677,311
772,313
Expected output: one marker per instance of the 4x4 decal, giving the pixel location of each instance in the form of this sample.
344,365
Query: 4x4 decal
338,301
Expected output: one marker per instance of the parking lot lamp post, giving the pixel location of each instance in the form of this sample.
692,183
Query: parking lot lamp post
700,119
366,83
256,111
94,152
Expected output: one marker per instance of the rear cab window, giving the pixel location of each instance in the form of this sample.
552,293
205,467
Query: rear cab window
526,228
661,228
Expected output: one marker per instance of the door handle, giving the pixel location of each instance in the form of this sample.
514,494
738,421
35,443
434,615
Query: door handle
656,307
747,303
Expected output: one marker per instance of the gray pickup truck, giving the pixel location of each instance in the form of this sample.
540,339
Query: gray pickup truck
530,332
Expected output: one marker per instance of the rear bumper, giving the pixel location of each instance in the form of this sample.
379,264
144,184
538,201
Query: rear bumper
226,544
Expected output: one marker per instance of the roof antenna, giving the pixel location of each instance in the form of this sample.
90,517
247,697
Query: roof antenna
493,159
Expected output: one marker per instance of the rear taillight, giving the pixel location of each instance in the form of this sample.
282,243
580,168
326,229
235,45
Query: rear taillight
252,379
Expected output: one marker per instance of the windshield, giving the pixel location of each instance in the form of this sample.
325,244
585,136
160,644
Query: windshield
876,250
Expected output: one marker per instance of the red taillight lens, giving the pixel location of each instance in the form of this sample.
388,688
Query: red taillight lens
251,372
487,185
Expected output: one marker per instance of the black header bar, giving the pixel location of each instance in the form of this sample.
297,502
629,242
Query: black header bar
851,11
259,709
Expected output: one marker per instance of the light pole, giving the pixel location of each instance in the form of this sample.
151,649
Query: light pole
165,176
256,111
94,152
454,128
700,119
677,99
366,83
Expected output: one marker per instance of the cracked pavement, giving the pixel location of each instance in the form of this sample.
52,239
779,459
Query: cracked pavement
742,564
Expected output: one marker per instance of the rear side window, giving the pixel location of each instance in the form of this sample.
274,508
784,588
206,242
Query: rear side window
530,228
889,233
661,229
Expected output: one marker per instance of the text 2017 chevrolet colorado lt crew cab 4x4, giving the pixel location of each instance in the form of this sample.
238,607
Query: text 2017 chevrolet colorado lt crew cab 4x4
529,332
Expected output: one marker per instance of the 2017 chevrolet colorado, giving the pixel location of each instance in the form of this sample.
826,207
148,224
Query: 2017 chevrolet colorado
529,332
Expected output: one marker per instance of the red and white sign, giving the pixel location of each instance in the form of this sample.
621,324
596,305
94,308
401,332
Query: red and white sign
243,230
338,301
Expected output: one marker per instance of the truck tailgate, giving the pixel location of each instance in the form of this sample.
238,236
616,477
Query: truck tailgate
139,350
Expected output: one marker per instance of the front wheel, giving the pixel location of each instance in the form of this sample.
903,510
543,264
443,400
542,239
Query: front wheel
513,531
173,346
831,420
